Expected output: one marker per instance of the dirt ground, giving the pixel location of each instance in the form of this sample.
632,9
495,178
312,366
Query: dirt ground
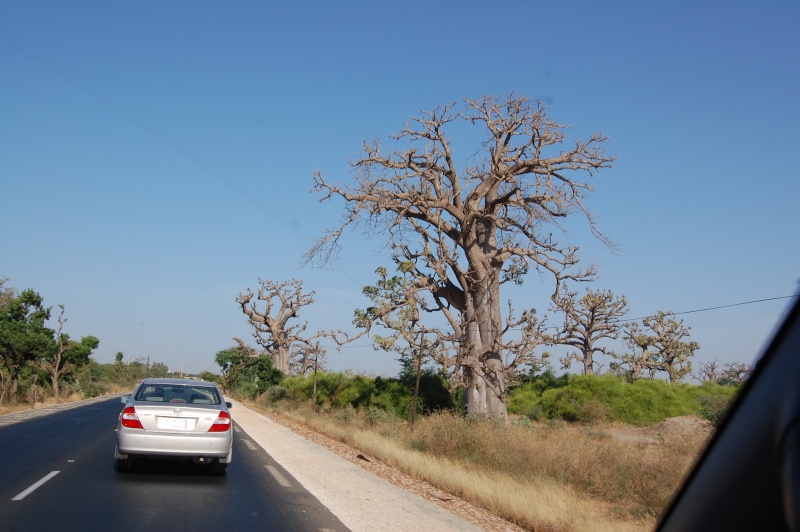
674,426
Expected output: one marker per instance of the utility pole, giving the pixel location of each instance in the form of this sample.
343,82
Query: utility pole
416,387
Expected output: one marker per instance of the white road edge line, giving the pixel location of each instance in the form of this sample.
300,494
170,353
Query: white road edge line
250,445
279,478
35,486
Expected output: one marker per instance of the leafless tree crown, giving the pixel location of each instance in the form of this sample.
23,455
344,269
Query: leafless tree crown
588,320
270,312
465,228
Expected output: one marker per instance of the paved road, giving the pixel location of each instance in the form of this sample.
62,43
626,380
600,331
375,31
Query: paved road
69,455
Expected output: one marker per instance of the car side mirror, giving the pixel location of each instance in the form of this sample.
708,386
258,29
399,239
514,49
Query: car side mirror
124,399
228,404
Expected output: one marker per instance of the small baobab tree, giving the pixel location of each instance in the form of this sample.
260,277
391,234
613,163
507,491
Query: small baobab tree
587,321
659,344
270,312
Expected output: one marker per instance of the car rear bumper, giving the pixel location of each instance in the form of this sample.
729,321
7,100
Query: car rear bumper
140,442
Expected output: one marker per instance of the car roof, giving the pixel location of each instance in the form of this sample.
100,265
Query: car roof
176,382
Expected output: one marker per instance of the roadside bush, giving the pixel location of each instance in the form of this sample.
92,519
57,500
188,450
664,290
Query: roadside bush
594,411
277,393
714,400
593,398
245,390
333,389
357,391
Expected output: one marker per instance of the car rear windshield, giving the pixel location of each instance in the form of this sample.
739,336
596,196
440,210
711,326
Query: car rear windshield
169,393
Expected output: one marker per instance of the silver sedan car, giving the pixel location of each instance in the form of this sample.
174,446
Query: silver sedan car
175,418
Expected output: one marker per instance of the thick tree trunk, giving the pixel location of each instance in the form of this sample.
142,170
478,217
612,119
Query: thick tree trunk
280,359
588,363
483,371
12,393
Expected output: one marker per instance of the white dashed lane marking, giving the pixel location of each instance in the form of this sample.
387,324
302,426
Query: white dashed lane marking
35,486
278,476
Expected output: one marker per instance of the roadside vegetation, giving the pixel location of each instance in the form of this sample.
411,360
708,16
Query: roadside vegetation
581,451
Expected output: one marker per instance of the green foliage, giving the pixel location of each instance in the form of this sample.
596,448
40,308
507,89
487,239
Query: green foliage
391,395
158,370
239,367
23,335
208,376
276,393
715,399
335,389
590,398
93,379
77,353
245,390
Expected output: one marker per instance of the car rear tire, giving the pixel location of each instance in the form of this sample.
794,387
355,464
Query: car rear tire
124,465
219,468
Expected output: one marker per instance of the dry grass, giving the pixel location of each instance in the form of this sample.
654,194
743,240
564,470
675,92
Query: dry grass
52,401
545,477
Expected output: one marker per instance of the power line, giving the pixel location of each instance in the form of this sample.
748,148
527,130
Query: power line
643,317
723,306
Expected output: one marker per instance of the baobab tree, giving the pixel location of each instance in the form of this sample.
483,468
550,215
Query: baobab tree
588,320
469,223
399,305
659,344
270,313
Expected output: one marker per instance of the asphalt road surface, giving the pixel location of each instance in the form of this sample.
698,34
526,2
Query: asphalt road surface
57,473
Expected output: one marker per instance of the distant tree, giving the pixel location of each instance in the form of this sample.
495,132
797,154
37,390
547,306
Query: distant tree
735,373
659,345
232,362
708,371
66,355
242,363
730,373
280,303
6,293
396,306
307,356
158,370
137,369
588,320
119,367
23,336
208,376
470,226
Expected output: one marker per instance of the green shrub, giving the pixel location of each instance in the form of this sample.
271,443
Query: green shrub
594,411
525,400
277,393
346,415
592,398
356,391
714,399
245,391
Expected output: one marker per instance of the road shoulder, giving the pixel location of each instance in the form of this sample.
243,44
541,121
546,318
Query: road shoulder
361,500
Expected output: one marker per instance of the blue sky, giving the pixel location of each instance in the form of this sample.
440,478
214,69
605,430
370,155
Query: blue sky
156,158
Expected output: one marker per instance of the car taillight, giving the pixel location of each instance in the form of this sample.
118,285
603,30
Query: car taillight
222,423
130,419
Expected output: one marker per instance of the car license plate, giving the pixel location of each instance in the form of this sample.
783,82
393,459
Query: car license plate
174,423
